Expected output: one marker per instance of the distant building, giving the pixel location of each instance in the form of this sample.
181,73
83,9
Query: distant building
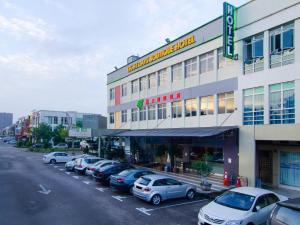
94,121
6,119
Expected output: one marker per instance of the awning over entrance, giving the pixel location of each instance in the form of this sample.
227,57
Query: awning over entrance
107,132
177,132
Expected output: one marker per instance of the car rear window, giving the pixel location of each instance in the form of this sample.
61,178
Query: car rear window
144,181
125,173
288,216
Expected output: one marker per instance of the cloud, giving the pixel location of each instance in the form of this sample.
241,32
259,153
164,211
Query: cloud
36,29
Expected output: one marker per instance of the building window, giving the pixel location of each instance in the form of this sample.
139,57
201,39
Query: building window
143,113
124,116
134,86
282,103
253,106
162,77
143,83
112,94
191,107
254,54
151,81
207,105
55,120
226,102
282,45
111,118
162,111
176,109
207,62
124,90
177,72
190,67
134,115
222,61
151,112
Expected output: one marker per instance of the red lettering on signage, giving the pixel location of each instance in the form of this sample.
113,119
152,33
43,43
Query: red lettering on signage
164,98
171,96
153,100
147,102
158,99
178,95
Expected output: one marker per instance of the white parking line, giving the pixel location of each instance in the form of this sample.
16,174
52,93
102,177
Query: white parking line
61,169
120,198
86,182
146,211
68,173
76,177
55,166
101,189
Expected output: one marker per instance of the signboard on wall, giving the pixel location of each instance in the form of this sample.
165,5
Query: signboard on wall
229,21
169,97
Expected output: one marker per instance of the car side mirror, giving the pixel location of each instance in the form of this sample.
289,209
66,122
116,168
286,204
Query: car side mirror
257,208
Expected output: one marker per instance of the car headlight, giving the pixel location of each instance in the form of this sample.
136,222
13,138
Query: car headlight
201,213
234,222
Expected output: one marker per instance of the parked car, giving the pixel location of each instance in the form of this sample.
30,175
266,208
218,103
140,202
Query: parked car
157,188
286,213
82,163
92,168
124,180
60,146
244,206
88,144
103,174
56,157
71,164
12,142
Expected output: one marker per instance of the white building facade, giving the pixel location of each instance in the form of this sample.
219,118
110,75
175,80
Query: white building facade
189,83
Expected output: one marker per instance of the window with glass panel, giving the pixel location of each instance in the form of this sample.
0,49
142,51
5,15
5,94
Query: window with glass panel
143,113
111,118
191,107
134,115
134,86
254,54
207,105
176,109
207,62
124,89
162,77
190,67
124,116
177,72
222,61
143,83
151,112
282,103
151,81
226,102
253,101
162,111
112,94
282,45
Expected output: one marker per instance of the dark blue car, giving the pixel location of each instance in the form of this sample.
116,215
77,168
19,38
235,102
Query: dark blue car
124,180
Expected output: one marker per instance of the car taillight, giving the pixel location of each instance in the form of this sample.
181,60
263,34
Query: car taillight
80,166
120,180
147,189
93,169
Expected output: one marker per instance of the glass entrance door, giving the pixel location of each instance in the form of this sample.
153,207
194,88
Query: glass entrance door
290,168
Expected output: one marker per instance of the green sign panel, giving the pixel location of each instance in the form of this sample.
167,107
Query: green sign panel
229,22
140,103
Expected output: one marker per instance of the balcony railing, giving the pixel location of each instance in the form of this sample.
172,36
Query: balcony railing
254,65
282,58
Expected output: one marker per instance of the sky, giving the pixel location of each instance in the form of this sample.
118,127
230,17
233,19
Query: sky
55,54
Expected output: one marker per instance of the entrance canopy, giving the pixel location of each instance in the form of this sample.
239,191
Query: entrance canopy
177,132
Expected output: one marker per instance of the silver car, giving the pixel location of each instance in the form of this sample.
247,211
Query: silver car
90,169
157,188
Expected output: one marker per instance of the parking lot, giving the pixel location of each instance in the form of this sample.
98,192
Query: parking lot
51,195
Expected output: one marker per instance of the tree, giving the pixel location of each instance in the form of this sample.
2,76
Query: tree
59,134
42,133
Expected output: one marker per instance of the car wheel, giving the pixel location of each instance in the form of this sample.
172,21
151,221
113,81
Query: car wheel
190,194
52,161
156,199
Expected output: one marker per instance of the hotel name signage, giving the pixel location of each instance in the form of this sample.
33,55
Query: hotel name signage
229,21
164,98
162,53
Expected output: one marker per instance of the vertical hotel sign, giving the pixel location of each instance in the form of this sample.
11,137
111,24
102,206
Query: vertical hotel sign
229,21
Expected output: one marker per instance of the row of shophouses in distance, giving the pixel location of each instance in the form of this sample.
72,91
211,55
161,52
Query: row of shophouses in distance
230,89
80,125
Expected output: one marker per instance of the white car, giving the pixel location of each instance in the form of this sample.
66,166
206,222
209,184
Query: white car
82,163
56,157
240,206
92,168
60,146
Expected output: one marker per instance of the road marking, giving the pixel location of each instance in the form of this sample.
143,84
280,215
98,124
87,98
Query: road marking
86,182
120,198
68,173
101,189
44,190
61,169
76,177
28,157
55,166
146,211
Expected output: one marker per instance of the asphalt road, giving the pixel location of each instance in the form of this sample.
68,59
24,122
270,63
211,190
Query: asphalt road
25,197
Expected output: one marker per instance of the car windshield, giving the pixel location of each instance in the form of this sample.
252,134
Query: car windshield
236,200
144,181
